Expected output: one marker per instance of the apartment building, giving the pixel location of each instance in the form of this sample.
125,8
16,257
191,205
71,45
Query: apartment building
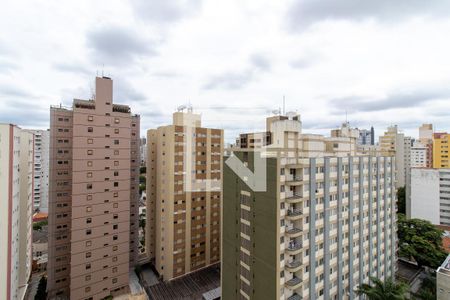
253,140
184,184
430,195
419,155
426,138
366,137
394,143
324,223
41,167
443,280
440,150
16,209
93,194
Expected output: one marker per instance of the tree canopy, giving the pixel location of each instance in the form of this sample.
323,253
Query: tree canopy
387,290
420,240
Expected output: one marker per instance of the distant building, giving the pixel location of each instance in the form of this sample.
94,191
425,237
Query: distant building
443,280
419,155
366,137
143,151
430,195
184,194
16,209
41,167
93,197
426,139
441,142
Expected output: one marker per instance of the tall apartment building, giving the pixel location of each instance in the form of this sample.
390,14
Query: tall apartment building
366,137
16,209
394,143
443,280
430,195
426,138
440,150
41,167
324,223
419,154
93,211
143,150
184,183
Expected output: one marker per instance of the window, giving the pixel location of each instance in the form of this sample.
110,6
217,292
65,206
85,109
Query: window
115,248
88,208
115,216
88,254
88,266
114,280
88,231
90,129
88,220
90,152
88,288
89,197
114,270
115,238
116,184
87,277
88,243
116,194
116,142
89,186
116,205
89,174
116,130
116,173
90,118
116,163
90,141
115,226
116,120
114,259
89,163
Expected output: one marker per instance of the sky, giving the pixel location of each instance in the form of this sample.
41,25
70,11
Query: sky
373,63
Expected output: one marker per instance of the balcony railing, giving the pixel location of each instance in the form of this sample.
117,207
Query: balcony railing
294,247
295,296
293,283
294,232
294,212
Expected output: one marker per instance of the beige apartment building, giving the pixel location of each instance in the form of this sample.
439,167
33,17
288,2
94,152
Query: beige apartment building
322,225
184,177
93,194
16,209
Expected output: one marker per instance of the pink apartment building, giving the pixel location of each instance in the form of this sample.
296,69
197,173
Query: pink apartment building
93,196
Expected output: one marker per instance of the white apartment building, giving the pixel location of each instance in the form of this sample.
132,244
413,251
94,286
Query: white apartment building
443,280
418,155
323,225
16,179
41,168
430,195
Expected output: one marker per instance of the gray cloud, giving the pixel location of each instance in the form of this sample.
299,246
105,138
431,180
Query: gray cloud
125,92
10,91
230,80
165,11
391,101
72,68
118,46
303,13
260,61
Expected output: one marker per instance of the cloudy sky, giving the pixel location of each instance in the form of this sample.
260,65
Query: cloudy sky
378,62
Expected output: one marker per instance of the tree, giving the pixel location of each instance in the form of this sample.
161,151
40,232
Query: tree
143,170
420,240
388,290
141,179
428,288
401,200
39,225
41,293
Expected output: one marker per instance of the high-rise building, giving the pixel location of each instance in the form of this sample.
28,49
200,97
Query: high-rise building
419,155
41,167
440,150
93,196
430,195
426,138
184,181
443,280
323,223
366,137
16,209
143,150
394,143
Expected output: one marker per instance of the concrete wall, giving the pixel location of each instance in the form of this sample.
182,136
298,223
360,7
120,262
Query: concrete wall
425,194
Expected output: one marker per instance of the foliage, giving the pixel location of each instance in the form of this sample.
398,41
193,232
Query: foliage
388,290
143,170
39,225
41,293
420,240
142,188
427,289
142,223
142,178
401,200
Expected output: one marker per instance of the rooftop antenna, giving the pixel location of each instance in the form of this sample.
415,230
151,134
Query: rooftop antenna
284,105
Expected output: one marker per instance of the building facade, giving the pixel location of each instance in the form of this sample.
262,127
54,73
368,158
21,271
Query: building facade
41,167
184,183
419,155
366,137
440,150
443,280
426,138
323,224
430,195
93,195
16,209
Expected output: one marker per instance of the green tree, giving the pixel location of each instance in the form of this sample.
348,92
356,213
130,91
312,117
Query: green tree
401,200
41,293
141,179
39,225
427,289
388,290
420,240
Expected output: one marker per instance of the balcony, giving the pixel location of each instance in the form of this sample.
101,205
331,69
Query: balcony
293,266
293,232
293,283
295,198
294,249
294,214
294,180
295,296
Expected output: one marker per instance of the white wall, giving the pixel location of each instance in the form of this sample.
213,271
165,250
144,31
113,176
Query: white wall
425,194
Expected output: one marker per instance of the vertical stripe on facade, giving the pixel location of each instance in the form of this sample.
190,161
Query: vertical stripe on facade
326,232
361,220
350,225
370,217
339,225
312,228
378,201
385,231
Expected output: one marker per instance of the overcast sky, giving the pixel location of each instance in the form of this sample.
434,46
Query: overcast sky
380,62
